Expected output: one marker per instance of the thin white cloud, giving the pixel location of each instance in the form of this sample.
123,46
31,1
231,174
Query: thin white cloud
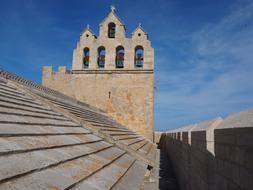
219,79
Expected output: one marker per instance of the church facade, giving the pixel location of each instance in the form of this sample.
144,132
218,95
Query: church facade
113,73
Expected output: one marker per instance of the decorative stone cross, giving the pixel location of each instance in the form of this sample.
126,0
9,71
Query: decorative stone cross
113,8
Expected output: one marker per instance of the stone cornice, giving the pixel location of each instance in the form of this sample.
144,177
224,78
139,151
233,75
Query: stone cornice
115,71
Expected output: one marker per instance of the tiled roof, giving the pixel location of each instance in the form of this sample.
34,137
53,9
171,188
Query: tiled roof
51,141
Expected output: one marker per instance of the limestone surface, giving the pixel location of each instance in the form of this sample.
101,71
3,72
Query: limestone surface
127,92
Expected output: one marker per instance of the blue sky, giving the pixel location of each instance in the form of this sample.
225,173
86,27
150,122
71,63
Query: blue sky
203,48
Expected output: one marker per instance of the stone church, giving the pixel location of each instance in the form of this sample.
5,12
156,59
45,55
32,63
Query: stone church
113,73
49,140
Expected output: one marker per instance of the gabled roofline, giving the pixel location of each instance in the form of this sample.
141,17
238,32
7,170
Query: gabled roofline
140,27
88,29
114,14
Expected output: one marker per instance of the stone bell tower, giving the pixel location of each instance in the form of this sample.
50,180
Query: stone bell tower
113,73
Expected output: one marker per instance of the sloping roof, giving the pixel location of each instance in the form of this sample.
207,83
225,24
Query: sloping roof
208,124
242,119
51,141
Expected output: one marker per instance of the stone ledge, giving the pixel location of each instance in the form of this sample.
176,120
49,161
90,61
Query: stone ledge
116,71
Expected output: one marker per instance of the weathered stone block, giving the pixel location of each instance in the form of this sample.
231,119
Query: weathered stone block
244,136
248,158
235,154
221,182
220,151
226,136
232,186
246,178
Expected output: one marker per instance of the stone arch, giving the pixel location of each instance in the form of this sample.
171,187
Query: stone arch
111,30
139,56
101,57
119,59
86,57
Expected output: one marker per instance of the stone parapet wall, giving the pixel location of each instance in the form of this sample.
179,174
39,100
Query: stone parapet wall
157,136
215,154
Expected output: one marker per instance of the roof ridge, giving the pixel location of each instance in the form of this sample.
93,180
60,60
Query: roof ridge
6,75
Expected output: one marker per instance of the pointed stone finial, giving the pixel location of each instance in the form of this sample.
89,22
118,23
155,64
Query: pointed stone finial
139,24
88,26
113,8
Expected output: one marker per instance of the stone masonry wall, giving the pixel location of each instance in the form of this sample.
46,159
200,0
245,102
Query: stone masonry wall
215,154
125,90
157,137
126,96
